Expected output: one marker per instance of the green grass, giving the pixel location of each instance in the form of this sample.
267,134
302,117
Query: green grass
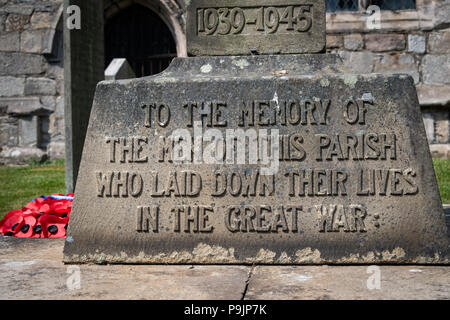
20,185
442,168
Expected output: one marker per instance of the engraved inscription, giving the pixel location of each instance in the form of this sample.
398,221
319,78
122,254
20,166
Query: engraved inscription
193,219
178,184
119,184
127,150
336,218
207,132
249,20
156,113
262,219
147,219
234,27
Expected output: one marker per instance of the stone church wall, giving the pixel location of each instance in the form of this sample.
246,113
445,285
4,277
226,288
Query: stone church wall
31,81
416,42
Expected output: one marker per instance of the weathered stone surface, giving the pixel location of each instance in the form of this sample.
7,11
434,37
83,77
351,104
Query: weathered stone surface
56,71
442,14
442,127
56,149
439,42
21,155
31,41
36,265
335,41
60,88
9,42
3,17
434,95
29,131
59,108
11,86
119,69
47,6
20,63
417,43
436,69
380,205
385,42
358,62
40,86
349,283
237,27
9,132
428,121
399,63
353,42
27,106
49,102
56,127
20,8
440,151
43,20
16,22
48,39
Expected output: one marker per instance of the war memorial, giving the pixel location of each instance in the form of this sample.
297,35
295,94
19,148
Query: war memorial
258,148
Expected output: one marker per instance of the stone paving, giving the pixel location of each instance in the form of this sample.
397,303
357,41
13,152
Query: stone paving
33,269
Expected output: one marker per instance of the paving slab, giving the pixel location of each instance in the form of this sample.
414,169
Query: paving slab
33,269
349,282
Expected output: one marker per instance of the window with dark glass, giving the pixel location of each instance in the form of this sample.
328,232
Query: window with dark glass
353,5
395,4
342,5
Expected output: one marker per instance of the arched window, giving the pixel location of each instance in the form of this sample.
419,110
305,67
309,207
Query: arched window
141,36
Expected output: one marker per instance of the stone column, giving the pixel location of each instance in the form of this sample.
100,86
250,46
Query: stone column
84,68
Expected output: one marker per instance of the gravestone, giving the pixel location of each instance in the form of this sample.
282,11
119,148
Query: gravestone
272,159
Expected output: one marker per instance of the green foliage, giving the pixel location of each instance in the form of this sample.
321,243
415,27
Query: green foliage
20,185
34,162
442,169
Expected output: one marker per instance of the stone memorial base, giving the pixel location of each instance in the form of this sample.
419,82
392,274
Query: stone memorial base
351,181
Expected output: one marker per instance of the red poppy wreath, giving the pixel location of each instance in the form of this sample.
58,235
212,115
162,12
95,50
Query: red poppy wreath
44,217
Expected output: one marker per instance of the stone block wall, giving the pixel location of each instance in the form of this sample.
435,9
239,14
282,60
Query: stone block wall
31,80
416,42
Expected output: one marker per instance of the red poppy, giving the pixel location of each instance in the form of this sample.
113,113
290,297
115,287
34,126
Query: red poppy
10,214
53,227
39,205
12,223
26,230
61,207
37,230
45,217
